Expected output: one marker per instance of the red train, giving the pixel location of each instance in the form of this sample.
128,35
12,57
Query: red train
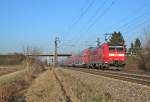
101,57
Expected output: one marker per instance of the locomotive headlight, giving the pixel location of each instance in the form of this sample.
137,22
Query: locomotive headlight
121,55
111,54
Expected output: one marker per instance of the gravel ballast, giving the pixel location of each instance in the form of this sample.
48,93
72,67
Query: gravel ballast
104,87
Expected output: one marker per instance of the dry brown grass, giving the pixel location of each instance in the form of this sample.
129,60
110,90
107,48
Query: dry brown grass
144,57
5,93
11,85
45,89
11,78
6,69
132,64
33,67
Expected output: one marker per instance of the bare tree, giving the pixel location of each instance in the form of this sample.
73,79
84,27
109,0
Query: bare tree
32,64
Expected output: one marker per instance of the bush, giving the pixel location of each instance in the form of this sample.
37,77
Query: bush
144,57
33,66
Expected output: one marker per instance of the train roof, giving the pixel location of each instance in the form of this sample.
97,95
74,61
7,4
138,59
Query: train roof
91,47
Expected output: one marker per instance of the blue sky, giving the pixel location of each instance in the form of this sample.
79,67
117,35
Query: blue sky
76,22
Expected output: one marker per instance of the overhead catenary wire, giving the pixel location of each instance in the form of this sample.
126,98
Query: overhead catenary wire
96,12
101,15
120,27
82,14
138,25
132,28
132,20
85,43
129,16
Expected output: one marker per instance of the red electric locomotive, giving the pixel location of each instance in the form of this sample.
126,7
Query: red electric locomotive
104,56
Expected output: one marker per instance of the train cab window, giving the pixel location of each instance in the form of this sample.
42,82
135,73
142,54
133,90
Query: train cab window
120,49
111,49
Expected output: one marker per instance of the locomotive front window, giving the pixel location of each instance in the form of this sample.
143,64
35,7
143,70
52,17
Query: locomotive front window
112,49
120,49
116,48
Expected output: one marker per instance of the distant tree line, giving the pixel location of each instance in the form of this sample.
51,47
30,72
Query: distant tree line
135,47
11,59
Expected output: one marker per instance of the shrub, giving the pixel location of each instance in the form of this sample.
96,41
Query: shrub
33,66
144,57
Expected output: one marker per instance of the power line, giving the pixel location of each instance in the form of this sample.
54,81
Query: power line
83,13
138,25
97,11
129,16
134,19
101,15
99,8
131,21
133,27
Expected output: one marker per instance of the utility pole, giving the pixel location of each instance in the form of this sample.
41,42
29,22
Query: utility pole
56,51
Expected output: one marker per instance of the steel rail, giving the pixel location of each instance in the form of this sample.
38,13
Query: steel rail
134,78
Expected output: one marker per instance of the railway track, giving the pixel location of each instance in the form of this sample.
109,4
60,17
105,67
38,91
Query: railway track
67,97
135,78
